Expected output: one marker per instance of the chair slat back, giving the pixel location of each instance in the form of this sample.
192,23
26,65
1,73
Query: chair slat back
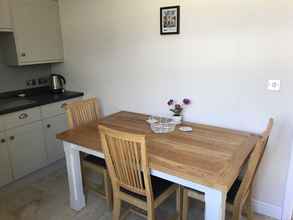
253,164
126,158
82,111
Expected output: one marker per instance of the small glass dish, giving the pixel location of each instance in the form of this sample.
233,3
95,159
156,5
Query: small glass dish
163,125
152,119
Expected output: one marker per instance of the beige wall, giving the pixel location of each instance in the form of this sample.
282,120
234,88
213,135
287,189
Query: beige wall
14,78
226,52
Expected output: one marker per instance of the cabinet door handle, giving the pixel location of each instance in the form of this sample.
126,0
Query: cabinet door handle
12,138
3,140
23,54
23,116
48,126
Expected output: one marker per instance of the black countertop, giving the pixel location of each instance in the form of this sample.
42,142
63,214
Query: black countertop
11,102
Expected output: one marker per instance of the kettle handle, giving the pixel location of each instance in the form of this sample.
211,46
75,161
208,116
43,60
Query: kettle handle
63,78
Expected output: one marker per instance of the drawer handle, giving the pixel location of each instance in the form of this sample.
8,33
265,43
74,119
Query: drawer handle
12,138
48,126
23,116
3,140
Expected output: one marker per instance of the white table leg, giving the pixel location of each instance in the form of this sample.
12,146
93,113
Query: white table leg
77,200
215,205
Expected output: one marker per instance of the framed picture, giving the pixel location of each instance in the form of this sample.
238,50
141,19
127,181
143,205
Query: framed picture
170,20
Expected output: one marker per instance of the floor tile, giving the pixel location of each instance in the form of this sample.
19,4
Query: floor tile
47,198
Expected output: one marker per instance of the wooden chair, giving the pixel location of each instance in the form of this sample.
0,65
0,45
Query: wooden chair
78,113
126,157
239,196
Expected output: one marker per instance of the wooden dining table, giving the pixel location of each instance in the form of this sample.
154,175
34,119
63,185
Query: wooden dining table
207,159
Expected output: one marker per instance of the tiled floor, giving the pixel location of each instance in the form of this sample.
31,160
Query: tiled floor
46,198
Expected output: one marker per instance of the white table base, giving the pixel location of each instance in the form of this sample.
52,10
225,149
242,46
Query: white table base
215,201
77,198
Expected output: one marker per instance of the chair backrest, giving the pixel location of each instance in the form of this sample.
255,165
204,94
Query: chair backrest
126,158
253,164
82,111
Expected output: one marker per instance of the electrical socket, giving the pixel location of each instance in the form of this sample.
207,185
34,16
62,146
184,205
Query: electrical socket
274,85
43,81
31,83
34,82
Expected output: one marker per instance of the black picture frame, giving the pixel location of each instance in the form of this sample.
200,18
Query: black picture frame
170,30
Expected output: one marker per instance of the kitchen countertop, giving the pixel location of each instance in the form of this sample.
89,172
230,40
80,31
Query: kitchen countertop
11,102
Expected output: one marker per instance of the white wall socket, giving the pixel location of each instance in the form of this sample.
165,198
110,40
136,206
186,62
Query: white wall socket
274,85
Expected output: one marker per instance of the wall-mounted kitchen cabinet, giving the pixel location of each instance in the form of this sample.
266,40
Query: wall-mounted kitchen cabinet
36,36
5,16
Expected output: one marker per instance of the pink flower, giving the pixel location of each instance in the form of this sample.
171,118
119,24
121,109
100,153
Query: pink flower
186,101
170,102
177,108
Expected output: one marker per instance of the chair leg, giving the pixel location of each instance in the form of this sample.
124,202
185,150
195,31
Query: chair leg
151,215
185,204
116,207
83,170
249,211
108,189
236,214
179,193
83,176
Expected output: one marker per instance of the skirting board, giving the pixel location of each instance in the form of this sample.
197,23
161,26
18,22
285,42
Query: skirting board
267,209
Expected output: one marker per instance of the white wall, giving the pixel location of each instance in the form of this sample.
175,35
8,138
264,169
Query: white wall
226,52
14,78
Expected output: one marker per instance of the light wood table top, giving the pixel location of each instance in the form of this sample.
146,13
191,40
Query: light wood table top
210,156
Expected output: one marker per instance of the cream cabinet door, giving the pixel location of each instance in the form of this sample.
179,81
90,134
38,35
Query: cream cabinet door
27,149
52,126
5,16
37,31
1,123
5,167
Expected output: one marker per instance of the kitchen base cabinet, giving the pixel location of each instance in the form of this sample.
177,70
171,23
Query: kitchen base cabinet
5,167
27,149
28,139
53,126
2,128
